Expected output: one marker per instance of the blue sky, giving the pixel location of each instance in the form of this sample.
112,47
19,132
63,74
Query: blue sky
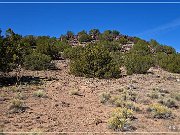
157,21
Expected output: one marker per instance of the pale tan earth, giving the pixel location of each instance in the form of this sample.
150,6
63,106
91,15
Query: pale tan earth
63,112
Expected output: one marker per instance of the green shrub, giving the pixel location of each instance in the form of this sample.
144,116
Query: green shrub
73,52
157,93
132,95
176,96
124,100
94,33
95,61
120,119
124,96
169,62
39,93
84,37
123,41
14,89
117,100
154,95
49,46
154,44
60,47
141,48
159,111
165,49
104,97
137,64
139,59
106,35
162,91
158,48
20,96
16,105
170,103
37,61
117,58
132,106
12,51
112,46
119,103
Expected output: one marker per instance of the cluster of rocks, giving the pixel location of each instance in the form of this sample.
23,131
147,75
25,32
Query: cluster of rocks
127,46
73,41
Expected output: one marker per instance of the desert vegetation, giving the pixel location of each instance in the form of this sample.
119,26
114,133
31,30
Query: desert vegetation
90,80
98,57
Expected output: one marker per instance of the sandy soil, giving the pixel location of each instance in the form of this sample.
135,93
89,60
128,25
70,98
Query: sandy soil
60,111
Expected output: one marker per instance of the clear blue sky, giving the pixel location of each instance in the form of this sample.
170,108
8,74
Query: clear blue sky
157,21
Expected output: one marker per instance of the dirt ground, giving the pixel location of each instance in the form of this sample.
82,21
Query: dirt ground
59,111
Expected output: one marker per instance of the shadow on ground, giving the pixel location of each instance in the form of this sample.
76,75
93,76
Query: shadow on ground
12,80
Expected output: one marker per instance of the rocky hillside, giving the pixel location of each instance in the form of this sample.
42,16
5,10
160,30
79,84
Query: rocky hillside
66,103
89,82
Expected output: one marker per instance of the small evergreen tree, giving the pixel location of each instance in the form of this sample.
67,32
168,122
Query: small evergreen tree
95,61
37,61
138,64
141,48
170,62
84,37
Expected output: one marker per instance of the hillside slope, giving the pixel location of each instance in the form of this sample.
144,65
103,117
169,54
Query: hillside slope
61,111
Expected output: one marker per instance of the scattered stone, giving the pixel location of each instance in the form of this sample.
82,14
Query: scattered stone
19,126
158,76
6,121
56,105
64,104
97,121
170,78
131,87
30,112
80,107
38,117
87,109
2,99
